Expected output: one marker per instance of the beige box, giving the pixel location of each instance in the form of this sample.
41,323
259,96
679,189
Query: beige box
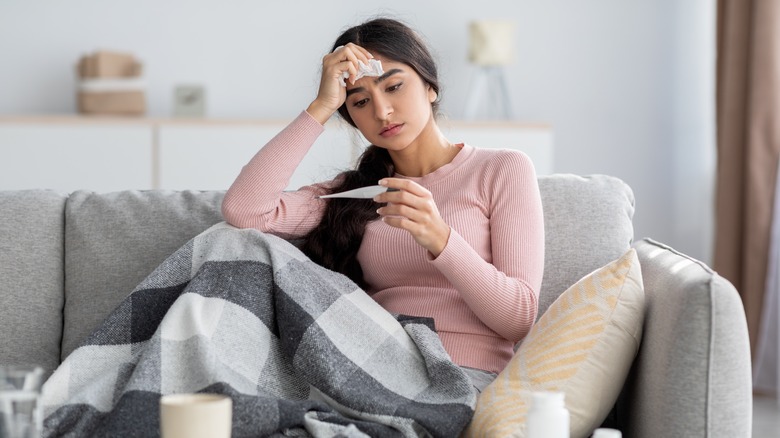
124,103
109,64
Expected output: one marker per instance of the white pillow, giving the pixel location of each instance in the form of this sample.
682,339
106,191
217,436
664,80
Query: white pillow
583,346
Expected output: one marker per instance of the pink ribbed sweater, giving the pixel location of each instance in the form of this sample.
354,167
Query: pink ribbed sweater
481,291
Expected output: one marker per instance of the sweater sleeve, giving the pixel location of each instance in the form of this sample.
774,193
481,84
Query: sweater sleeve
503,294
257,198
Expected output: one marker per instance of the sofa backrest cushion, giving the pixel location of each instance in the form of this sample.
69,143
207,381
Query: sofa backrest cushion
694,359
114,240
587,224
31,277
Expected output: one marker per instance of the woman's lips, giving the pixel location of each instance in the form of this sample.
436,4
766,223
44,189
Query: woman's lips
391,130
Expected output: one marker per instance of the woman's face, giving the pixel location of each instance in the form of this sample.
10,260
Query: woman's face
391,110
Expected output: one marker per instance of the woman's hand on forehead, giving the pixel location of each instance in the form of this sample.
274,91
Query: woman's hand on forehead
331,94
353,55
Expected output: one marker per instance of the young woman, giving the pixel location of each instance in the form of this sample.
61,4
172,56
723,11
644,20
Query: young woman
461,240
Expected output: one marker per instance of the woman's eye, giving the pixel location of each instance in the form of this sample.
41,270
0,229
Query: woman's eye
360,103
394,87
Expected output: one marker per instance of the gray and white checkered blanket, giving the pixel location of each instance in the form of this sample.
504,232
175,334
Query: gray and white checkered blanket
301,350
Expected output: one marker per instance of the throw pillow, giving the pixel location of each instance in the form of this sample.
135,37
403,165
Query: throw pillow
583,346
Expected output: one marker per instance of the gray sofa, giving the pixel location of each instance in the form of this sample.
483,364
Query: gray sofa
67,260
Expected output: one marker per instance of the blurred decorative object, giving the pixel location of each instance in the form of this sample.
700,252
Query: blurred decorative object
490,49
111,83
189,101
490,42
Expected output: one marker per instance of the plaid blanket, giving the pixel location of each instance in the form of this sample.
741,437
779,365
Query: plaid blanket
301,350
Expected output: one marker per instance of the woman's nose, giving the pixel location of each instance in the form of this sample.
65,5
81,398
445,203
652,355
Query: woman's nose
382,108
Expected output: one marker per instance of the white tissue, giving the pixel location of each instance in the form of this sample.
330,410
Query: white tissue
374,68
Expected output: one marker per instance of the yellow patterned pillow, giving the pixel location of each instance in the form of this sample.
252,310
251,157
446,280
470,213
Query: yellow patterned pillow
583,345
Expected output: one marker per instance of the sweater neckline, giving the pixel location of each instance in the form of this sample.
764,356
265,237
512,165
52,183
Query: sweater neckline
442,172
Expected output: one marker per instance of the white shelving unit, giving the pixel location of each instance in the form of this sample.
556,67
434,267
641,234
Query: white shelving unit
103,154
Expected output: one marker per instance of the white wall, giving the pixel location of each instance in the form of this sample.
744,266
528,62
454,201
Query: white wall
626,85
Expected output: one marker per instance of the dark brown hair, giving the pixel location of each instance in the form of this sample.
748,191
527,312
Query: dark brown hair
334,243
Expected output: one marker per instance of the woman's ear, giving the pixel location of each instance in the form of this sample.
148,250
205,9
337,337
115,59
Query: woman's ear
432,95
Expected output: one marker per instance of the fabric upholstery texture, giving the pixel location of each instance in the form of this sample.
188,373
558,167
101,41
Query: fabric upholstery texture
588,223
583,346
691,376
31,251
695,354
154,224
114,240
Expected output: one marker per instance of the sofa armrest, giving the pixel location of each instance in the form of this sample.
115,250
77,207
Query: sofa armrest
692,375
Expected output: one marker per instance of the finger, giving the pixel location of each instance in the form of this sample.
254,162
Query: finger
404,211
356,55
352,53
348,62
400,222
402,196
342,54
405,185
421,233
356,59
335,71
360,49
348,67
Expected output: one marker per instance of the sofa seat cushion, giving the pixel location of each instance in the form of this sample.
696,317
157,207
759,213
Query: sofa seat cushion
114,240
31,290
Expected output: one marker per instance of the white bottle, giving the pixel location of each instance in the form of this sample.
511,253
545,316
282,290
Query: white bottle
548,416
607,433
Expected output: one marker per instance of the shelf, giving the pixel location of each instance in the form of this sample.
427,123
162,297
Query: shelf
107,153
